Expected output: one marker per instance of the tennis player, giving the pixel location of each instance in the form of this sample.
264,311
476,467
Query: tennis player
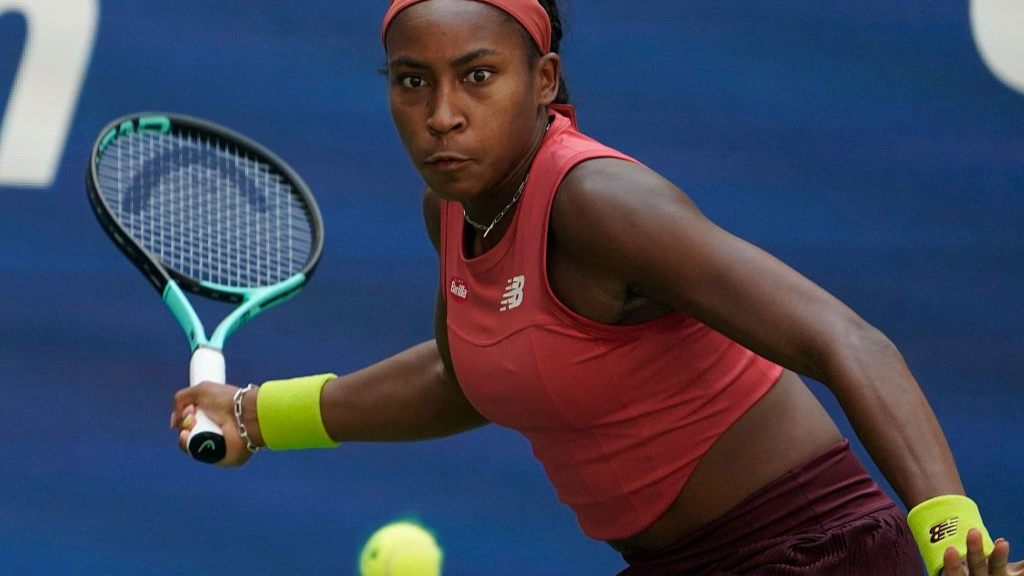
650,357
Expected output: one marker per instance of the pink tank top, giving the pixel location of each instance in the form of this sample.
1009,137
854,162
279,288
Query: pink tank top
619,416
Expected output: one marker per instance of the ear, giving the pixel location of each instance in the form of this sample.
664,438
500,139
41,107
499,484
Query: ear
549,77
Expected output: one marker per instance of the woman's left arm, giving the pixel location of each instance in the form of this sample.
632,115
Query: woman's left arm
640,228
646,231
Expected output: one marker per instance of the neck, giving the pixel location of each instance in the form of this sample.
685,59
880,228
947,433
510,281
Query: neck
485,207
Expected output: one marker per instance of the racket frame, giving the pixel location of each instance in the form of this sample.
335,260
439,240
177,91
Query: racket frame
207,362
148,263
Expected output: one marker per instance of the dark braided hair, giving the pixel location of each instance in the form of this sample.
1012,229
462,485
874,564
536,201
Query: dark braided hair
551,7
533,52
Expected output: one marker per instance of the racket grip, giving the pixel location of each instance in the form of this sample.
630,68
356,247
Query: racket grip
207,365
206,441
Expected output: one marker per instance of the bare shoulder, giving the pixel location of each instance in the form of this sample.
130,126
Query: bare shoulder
609,174
604,206
432,216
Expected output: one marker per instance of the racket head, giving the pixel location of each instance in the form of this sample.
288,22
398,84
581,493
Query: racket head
191,201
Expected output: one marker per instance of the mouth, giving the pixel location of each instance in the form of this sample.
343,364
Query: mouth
447,161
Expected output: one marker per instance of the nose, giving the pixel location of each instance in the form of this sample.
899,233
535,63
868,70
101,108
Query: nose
445,114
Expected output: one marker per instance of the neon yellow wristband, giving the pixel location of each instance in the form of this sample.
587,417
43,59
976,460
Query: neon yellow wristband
942,522
289,413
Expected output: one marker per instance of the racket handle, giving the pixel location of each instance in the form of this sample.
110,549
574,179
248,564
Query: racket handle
206,441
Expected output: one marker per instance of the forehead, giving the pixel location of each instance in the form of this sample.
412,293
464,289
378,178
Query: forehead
451,26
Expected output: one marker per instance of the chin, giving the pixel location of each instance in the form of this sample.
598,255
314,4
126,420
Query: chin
452,189
454,193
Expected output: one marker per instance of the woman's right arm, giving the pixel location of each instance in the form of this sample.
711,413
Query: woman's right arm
411,396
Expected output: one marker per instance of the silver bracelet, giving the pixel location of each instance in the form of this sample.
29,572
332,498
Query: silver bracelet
242,432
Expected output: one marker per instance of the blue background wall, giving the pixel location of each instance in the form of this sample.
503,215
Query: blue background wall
865,143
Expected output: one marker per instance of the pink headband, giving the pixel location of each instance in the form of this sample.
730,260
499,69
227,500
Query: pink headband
529,13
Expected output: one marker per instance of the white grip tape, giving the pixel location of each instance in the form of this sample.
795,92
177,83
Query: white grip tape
207,365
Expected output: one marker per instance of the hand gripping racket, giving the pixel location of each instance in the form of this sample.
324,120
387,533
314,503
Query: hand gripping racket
201,209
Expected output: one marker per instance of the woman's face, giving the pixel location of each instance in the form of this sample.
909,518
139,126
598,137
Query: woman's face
463,94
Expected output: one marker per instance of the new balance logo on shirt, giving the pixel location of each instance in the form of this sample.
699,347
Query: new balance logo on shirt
513,296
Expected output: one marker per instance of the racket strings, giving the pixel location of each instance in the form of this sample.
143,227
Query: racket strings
207,210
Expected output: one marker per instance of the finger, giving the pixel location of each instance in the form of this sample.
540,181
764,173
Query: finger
184,397
976,561
1000,558
951,565
183,441
186,420
178,417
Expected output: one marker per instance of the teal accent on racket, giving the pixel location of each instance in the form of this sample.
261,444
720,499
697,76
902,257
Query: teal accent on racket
202,210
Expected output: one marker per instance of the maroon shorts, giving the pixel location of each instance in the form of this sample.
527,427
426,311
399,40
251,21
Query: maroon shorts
825,518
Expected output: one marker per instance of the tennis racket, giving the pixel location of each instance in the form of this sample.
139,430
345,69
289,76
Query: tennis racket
204,210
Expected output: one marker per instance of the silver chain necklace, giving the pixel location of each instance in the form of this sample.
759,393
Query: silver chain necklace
487,229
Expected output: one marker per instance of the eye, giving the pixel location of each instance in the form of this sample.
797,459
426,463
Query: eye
412,81
479,76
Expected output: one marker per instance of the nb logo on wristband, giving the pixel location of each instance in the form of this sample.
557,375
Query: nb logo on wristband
944,529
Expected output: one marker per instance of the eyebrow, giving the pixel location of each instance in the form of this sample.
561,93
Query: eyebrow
456,63
467,58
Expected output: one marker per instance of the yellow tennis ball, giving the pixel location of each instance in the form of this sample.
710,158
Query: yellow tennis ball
401,549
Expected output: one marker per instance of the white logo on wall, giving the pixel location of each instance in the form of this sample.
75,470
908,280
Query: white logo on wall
998,27
513,296
59,41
